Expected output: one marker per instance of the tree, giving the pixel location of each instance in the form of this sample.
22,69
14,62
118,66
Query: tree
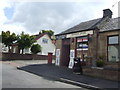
36,48
49,32
8,39
25,41
0,38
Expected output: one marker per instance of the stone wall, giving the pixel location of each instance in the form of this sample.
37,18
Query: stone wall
59,46
92,49
73,43
103,42
96,50
102,51
111,70
105,73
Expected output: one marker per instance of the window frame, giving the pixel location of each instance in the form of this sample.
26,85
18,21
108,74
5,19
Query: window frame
45,39
112,45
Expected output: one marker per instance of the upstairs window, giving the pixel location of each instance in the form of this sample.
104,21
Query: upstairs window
44,40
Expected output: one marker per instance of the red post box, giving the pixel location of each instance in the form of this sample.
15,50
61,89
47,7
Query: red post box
50,58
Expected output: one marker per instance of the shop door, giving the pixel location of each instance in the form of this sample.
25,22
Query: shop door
65,52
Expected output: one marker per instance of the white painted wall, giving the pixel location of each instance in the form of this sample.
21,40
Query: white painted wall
4,48
26,50
46,47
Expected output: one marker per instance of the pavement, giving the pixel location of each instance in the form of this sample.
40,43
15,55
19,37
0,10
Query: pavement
66,75
22,63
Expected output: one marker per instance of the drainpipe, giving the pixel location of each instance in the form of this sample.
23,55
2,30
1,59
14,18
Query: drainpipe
119,47
97,45
76,47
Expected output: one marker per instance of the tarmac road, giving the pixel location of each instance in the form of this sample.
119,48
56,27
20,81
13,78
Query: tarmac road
14,78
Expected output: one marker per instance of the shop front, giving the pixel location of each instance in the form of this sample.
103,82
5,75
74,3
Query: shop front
73,45
92,41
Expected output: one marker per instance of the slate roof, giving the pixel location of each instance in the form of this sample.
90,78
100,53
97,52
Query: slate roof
110,24
39,36
82,26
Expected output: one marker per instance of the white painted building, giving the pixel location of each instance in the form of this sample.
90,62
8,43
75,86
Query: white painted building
3,47
46,44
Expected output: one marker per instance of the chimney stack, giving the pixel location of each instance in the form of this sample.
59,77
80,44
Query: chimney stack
107,12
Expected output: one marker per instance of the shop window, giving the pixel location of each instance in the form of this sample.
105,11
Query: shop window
82,43
113,49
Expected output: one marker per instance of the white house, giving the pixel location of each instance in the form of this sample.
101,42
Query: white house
3,48
46,44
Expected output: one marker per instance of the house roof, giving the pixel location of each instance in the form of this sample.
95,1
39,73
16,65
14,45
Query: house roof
82,26
112,24
104,24
39,36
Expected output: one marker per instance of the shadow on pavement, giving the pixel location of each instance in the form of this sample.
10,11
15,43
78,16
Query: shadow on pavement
64,74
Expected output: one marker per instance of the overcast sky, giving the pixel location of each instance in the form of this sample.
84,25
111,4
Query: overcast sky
34,15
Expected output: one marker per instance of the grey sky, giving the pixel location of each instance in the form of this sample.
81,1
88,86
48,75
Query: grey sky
31,17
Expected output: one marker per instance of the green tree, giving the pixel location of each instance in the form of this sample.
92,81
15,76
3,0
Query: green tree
36,48
0,38
8,39
25,41
49,32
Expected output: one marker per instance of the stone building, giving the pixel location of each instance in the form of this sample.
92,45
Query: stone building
91,41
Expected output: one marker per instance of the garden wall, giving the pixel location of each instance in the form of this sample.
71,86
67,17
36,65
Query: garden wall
16,56
105,73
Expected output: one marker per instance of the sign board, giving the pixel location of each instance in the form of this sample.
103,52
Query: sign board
57,62
77,34
82,40
60,37
82,43
72,56
82,46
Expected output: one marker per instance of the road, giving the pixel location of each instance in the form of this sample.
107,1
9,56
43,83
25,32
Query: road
14,78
